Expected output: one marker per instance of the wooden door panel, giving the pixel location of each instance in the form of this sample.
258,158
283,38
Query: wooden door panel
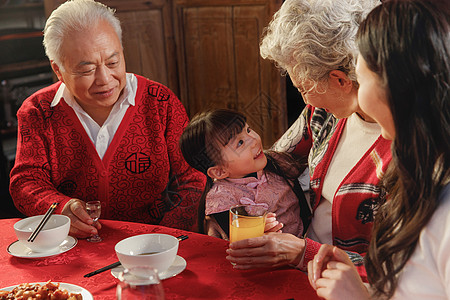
143,43
255,101
221,67
209,54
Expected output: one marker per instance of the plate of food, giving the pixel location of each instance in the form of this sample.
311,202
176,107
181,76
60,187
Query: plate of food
46,290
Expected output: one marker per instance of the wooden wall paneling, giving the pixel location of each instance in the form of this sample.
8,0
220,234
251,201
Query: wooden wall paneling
148,39
209,66
260,99
220,65
143,43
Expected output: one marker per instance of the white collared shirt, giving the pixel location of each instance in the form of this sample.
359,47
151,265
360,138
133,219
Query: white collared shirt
101,136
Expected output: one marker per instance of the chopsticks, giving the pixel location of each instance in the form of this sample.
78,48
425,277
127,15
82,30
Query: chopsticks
43,222
108,267
182,237
117,263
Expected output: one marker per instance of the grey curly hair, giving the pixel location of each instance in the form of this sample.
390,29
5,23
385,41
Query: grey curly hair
310,38
75,15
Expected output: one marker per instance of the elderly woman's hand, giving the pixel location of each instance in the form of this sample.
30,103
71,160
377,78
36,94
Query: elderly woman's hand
80,222
269,250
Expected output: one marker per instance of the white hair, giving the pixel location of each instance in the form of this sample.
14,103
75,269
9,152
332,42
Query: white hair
310,38
75,15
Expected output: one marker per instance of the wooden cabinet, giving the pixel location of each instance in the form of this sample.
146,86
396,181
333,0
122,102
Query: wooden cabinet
148,40
207,52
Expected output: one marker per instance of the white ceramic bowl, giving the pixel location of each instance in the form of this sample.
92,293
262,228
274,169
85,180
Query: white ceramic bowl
51,236
132,251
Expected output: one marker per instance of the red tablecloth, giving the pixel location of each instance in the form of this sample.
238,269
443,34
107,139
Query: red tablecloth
208,274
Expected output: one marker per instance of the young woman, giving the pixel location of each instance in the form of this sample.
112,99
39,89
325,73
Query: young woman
220,144
404,75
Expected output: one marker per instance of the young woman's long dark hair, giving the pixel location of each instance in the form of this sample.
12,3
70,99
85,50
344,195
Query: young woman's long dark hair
206,134
407,44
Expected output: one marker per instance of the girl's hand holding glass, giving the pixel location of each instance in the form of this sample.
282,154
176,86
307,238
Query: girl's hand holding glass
272,225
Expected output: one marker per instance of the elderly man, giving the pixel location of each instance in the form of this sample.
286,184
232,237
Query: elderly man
101,133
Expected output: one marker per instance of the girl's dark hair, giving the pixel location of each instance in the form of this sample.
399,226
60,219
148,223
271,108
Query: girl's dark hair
208,132
407,43
202,140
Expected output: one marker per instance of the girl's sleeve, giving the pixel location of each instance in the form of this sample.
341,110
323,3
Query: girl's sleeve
218,202
218,225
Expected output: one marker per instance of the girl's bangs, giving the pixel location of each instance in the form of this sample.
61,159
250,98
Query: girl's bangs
229,129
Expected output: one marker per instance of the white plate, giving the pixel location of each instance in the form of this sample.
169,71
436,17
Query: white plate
71,288
178,266
20,250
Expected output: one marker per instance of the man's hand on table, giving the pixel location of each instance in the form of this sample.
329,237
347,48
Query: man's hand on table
80,222
269,250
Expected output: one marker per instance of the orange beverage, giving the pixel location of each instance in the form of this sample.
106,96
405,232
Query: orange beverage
245,224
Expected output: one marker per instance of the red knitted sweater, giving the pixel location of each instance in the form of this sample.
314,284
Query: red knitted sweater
142,177
318,133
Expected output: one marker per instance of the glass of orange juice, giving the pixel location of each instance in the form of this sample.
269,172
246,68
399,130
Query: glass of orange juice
246,221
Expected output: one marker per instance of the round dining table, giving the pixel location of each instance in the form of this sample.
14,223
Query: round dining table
208,275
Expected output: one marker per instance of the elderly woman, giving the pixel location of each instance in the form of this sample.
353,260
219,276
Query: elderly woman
314,42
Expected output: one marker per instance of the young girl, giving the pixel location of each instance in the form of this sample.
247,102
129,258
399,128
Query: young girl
220,144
